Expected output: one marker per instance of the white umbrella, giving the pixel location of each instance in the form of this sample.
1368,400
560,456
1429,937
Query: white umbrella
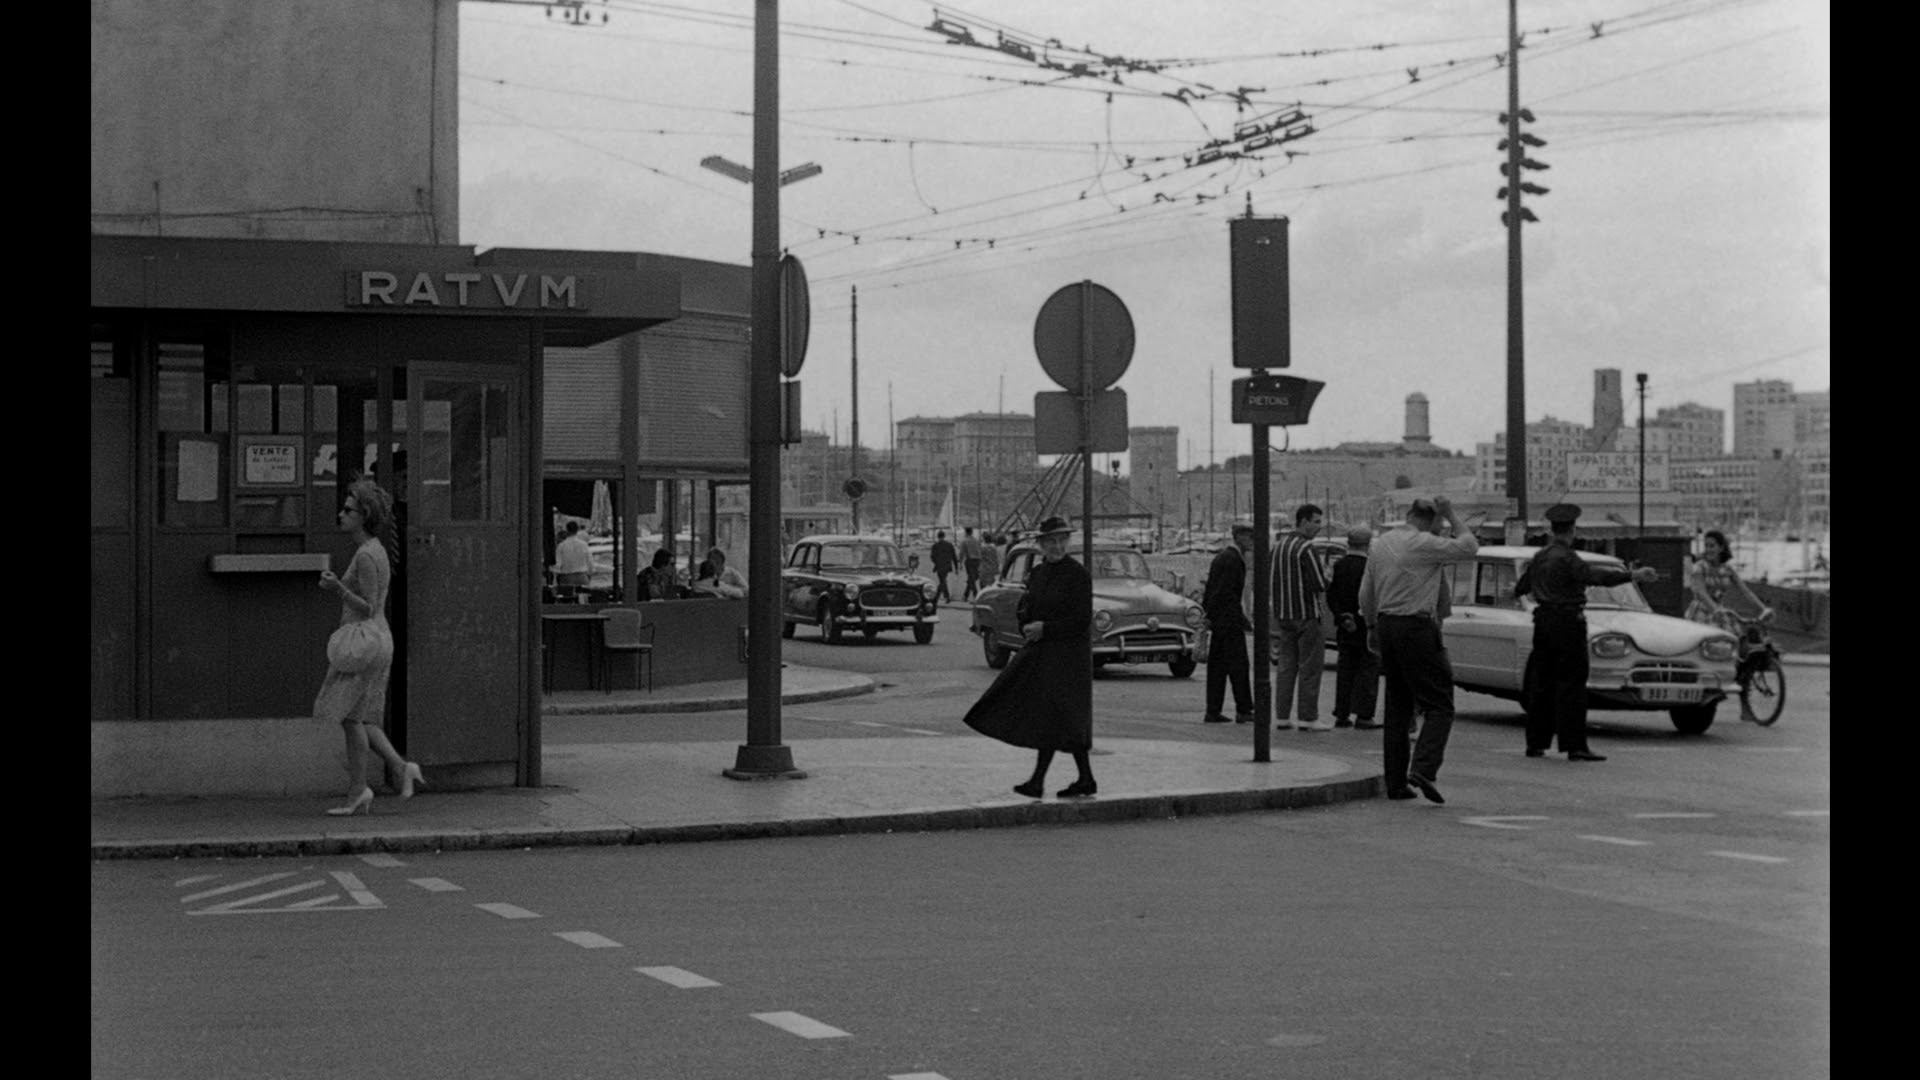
602,520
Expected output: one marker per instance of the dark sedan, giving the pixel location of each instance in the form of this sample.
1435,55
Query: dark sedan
854,583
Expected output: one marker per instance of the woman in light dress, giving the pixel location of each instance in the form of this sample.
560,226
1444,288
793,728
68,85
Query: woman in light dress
357,701
1712,580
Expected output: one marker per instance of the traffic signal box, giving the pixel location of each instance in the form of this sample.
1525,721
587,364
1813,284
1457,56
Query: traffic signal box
1259,281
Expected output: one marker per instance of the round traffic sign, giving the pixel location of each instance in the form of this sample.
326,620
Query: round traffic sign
795,315
1092,311
854,488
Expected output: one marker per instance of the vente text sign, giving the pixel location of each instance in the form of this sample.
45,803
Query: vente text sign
466,290
1616,471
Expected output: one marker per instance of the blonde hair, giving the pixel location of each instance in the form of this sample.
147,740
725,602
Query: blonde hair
376,506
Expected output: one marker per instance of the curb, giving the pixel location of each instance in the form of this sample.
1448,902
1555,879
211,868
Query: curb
628,708
1061,812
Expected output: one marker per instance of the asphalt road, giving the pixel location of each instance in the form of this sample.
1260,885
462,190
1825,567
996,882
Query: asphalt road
1665,913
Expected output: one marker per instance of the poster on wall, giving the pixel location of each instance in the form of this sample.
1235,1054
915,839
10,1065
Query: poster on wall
198,471
271,462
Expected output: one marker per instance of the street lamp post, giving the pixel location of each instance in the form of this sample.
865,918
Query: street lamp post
1641,379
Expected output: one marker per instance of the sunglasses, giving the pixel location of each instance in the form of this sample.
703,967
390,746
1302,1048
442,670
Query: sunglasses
350,509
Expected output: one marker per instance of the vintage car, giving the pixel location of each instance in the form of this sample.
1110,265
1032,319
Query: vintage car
1134,620
1639,660
854,583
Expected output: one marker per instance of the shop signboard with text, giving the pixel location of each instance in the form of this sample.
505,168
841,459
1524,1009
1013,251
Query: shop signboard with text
1616,471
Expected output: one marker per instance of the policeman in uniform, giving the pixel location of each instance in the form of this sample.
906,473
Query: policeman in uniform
1556,683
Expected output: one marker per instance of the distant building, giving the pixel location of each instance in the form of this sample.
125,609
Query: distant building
1763,418
1153,466
1698,430
1417,430
1549,440
924,445
1608,407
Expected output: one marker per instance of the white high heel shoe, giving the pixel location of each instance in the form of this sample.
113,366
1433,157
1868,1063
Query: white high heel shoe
359,804
410,777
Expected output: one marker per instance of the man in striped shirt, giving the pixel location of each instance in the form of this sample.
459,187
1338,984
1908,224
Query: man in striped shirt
1299,643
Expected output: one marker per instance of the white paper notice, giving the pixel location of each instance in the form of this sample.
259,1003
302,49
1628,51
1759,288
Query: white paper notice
199,472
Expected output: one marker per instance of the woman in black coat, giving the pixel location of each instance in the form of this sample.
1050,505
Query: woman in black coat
1043,700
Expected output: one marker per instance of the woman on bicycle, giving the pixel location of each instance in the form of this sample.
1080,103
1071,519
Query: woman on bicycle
1712,579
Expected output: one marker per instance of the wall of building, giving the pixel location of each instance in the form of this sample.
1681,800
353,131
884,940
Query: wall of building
300,119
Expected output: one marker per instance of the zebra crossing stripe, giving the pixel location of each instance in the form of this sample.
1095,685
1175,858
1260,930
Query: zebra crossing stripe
224,889
804,1026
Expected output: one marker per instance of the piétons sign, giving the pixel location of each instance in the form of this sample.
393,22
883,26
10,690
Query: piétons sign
466,290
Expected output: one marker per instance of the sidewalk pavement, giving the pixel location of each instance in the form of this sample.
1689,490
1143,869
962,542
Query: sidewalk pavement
669,792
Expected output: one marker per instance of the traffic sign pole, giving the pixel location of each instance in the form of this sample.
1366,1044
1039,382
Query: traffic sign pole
1262,602
1086,425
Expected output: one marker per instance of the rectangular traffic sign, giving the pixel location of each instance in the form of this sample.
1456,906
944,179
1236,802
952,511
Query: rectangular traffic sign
1616,471
1056,422
1274,400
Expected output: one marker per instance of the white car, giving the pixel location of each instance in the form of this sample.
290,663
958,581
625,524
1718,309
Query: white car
1639,659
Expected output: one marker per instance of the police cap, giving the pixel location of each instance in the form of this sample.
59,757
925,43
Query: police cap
1562,513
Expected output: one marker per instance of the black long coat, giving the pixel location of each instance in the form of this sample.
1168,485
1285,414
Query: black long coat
1043,699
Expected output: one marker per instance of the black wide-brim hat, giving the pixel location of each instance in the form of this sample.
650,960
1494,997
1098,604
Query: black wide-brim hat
1053,526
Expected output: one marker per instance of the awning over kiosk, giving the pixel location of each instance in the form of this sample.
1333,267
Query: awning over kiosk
580,298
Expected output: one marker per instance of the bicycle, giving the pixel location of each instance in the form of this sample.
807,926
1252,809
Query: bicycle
1762,678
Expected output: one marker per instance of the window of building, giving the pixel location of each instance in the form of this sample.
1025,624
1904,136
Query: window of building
190,413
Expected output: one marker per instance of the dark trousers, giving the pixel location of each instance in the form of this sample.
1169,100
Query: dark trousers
973,579
1356,681
941,593
1555,691
1227,660
1414,660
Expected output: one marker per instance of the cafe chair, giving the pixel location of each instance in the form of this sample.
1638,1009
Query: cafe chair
623,632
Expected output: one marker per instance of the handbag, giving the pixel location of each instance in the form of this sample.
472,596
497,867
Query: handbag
356,647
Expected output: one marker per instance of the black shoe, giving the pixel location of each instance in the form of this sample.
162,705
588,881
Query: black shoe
1403,793
1031,789
1585,755
1213,718
1079,789
1426,787
1341,721
1534,751
1243,718
1364,724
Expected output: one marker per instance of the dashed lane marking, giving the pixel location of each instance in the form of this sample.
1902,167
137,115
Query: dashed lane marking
1809,813
194,880
508,911
1673,816
680,977
1747,856
1621,840
434,884
1502,822
587,939
868,723
915,1076
381,859
1771,749
804,1026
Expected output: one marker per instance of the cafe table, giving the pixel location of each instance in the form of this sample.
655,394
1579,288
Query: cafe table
562,613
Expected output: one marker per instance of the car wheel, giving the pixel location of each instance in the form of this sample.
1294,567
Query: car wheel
922,635
786,629
829,629
997,655
1693,719
1183,667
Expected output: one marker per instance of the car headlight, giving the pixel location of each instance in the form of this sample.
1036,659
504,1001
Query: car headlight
1195,617
853,592
1103,621
926,590
1718,648
1612,646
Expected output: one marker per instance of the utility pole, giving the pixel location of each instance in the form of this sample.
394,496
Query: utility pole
1210,464
1641,378
1513,216
853,470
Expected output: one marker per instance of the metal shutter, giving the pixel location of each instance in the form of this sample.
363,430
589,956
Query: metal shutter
582,406
693,392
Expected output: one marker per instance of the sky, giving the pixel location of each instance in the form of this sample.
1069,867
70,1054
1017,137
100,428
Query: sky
1685,233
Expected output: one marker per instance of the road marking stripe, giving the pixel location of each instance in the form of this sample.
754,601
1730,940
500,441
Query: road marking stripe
1621,840
680,977
315,902
434,884
194,880
1809,813
804,1026
1674,816
276,894
235,888
915,1076
381,859
587,939
507,911
1771,749
1500,822
1748,856
354,886
920,731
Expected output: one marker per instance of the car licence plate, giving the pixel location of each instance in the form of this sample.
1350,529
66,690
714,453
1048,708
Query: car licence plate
1670,693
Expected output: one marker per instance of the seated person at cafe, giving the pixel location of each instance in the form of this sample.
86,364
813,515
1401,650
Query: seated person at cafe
571,560
719,579
658,581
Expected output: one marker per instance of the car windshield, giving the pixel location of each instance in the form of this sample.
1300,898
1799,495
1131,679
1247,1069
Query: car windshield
875,556
1625,597
1120,564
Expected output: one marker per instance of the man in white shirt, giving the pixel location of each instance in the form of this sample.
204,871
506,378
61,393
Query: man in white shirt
572,562
1399,594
